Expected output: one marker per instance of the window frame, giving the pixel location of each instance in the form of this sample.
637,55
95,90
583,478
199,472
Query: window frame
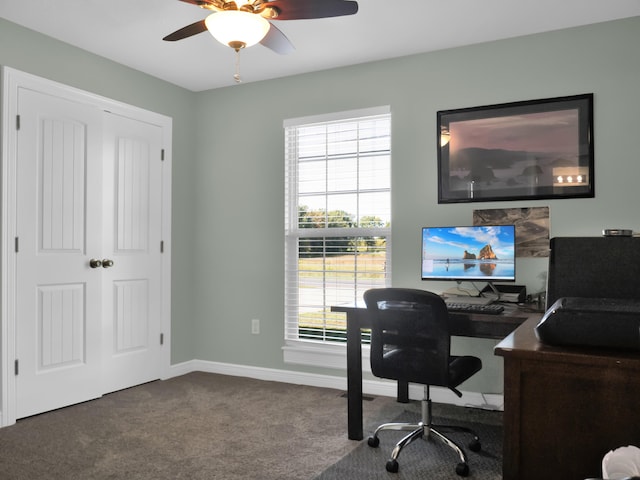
324,353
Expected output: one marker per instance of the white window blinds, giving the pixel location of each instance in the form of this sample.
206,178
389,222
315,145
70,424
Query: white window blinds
337,217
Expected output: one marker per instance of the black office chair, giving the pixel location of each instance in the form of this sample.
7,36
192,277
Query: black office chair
410,342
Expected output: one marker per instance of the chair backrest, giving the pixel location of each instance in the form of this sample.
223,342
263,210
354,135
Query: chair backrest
410,338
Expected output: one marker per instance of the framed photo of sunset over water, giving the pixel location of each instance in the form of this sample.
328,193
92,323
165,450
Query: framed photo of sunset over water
533,149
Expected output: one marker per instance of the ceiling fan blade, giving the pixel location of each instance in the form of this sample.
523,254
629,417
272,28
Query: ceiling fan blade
277,41
188,31
307,9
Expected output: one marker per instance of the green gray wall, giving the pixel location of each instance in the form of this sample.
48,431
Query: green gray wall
228,166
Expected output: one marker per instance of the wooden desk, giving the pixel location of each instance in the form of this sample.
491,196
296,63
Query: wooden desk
565,408
467,325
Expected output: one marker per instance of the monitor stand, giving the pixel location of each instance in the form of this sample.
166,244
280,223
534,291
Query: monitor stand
459,295
495,294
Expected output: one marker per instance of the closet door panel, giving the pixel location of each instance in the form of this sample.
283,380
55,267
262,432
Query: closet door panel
59,226
132,285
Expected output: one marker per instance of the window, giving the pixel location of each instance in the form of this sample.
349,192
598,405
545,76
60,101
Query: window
337,218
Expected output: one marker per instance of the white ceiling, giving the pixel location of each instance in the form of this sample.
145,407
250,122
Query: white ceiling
130,32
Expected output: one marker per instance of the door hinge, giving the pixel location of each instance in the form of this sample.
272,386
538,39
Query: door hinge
162,339
16,244
162,155
15,367
161,246
17,122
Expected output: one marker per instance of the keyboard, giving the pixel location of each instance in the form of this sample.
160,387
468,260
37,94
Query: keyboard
491,309
468,299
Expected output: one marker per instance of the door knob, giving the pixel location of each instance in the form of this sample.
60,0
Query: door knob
93,263
106,263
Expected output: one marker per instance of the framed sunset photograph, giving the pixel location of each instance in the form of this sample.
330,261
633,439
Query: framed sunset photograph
533,149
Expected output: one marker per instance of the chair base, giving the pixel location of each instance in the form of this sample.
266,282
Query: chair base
425,429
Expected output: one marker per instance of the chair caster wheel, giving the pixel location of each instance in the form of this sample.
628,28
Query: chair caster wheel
373,442
462,469
392,466
475,445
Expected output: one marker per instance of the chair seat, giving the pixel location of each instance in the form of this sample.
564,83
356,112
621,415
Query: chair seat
407,364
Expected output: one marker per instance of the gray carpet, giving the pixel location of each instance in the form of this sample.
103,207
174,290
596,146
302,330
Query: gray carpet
426,458
198,426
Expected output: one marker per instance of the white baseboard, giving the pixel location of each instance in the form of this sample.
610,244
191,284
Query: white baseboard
488,401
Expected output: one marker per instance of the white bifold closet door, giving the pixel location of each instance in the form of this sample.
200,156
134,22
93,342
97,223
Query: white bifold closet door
88,269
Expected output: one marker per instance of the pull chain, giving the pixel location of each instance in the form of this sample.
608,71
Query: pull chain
236,76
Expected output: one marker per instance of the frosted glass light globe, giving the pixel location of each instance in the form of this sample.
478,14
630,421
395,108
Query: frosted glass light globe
237,29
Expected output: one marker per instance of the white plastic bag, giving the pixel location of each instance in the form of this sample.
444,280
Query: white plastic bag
621,463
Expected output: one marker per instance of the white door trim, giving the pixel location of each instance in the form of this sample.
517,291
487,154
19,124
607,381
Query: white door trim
12,81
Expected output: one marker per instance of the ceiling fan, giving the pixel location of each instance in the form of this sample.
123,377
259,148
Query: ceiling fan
243,23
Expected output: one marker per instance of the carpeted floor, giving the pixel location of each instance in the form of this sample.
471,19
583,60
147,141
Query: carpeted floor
197,426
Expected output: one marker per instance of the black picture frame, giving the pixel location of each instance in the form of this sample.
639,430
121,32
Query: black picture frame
534,149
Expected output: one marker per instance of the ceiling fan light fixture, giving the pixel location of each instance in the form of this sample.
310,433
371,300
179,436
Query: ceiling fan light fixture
237,29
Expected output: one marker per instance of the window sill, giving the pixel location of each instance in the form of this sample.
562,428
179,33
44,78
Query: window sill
321,355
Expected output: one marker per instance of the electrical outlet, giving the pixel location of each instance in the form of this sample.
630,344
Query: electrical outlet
255,326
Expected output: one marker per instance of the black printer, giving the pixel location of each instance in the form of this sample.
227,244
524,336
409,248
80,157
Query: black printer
593,293
594,322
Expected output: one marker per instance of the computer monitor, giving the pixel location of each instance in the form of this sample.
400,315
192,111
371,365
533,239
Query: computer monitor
469,253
